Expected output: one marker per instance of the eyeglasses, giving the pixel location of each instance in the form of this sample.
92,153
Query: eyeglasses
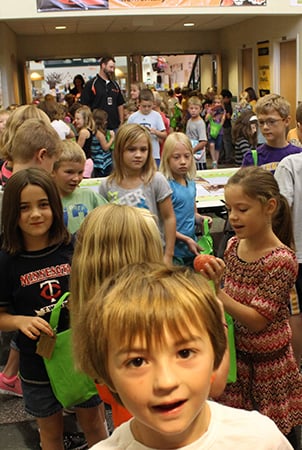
269,122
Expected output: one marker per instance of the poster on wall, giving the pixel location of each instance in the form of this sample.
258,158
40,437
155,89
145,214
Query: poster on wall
182,3
70,5
74,5
264,81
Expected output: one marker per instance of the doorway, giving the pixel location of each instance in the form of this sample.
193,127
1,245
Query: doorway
288,75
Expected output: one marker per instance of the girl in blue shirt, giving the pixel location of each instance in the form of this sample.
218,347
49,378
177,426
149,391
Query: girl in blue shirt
178,166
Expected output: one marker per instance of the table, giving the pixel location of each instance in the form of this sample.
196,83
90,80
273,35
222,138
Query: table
209,185
210,188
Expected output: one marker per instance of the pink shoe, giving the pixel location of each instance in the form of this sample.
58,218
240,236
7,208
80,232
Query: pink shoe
10,386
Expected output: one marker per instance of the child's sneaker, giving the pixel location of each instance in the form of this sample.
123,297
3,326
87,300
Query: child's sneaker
10,386
214,165
75,441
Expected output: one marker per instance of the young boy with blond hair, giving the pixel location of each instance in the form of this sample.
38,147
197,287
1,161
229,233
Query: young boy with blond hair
273,113
68,174
150,119
196,132
160,362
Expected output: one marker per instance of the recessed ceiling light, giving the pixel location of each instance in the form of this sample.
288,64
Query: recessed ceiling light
60,27
189,24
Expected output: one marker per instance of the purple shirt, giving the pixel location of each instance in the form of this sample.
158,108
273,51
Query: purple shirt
269,157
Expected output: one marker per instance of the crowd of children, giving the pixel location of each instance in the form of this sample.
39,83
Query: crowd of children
136,343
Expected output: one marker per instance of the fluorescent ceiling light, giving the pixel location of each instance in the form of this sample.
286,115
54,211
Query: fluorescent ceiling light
189,24
60,27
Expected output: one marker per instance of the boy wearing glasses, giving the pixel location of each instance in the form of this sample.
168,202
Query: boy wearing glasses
273,113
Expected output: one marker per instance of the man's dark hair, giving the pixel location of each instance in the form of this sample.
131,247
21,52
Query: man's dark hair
106,60
226,93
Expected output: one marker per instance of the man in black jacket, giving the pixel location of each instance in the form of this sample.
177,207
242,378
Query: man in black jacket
104,93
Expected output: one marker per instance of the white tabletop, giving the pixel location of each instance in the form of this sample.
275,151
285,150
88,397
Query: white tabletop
209,185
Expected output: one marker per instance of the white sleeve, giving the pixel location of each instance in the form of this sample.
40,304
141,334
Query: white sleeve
285,179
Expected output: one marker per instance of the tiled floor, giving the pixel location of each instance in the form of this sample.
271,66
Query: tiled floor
18,430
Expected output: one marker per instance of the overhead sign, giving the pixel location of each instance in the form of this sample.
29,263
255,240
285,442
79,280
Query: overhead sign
74,5
70,5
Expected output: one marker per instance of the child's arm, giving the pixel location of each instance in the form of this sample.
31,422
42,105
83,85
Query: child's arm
200,146
31,326
191,244
120,110
159,134
83,135
247,315
199,218
102,140
70,135
167,214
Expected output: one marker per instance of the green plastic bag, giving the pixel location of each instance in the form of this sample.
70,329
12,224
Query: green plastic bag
214,128
232,375
206,241
69,386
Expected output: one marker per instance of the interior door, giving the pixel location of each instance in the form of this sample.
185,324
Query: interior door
288,75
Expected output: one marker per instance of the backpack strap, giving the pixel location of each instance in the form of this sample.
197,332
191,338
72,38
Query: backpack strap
255,156
55,313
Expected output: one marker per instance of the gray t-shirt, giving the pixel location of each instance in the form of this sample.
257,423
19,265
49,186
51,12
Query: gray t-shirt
144,196
196,132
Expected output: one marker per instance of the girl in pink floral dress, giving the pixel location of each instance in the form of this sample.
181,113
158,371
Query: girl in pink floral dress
260,270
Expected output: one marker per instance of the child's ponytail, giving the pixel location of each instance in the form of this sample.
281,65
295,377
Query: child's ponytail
283,223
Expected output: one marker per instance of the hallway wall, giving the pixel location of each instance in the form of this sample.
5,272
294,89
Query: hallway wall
273,29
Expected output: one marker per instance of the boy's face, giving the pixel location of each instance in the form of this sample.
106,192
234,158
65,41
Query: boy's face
273,128
68,176
145,107
194,111
134,92
165,388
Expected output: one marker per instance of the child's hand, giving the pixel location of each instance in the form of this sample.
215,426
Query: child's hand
193,246
112,134
199,219
33,326
214,270
153,131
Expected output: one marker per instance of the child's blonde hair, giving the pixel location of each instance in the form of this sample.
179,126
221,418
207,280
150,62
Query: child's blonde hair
127,135
87,116
110,237
217,97
141,301
276,102
168,149
71,152
15,120
196,101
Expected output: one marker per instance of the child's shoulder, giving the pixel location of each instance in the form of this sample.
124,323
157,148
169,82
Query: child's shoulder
230,425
